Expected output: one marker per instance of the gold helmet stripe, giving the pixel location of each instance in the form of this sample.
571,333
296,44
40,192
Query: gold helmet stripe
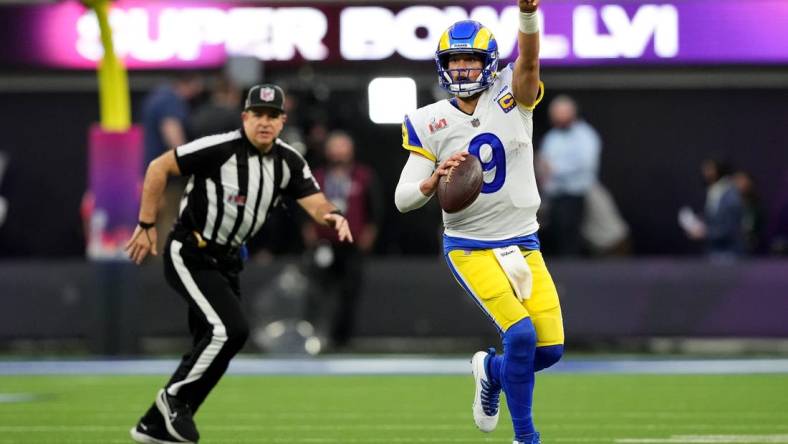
482,40
444,42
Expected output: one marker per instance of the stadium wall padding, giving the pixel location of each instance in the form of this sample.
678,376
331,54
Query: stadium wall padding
111,306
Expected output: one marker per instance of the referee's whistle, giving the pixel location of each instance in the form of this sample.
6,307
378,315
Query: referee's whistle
201,243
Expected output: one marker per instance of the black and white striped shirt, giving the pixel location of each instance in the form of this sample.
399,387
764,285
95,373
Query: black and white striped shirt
233,186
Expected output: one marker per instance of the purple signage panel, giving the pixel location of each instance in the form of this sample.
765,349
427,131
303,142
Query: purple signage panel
155,35
112,202
672,32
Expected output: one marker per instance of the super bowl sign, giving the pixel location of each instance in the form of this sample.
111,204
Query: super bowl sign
153,35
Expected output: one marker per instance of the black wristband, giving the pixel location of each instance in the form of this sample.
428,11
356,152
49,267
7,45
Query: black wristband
146,225
337,211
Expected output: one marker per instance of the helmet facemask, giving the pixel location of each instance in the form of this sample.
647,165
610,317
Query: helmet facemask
467,37
465,84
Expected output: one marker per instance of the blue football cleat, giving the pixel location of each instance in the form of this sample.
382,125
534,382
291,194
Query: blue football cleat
487,396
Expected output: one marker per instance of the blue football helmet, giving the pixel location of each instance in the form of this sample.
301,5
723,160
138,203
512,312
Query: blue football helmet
467,37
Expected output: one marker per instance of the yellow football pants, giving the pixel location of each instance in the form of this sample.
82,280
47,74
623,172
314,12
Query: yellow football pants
480,275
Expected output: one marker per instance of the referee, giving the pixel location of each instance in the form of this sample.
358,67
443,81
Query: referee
235,179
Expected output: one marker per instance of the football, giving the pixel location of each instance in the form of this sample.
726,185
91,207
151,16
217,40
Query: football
461,186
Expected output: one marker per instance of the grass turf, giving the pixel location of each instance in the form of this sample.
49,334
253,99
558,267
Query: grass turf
569,408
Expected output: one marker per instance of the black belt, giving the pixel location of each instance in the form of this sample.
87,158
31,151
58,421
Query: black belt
195,239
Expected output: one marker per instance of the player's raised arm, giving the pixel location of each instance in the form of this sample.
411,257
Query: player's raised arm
525,79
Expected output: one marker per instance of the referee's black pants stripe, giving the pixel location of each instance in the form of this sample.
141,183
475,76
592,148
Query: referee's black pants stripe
216,320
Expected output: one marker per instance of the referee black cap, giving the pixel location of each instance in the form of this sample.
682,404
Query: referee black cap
266,95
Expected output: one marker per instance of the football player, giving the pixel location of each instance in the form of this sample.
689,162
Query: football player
491,246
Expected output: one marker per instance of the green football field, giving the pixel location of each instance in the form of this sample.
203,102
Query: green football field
569,408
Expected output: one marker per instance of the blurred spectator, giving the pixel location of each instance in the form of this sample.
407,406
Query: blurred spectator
316,138
606,233
337,270
777,234
293,132
220,114
721,225
569,166
165,120
752,211
165,114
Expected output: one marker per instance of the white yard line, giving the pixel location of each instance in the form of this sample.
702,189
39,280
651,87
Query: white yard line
7,398
261,439
233,428
708,439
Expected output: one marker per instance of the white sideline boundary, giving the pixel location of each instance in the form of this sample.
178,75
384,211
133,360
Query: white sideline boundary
708,439
389,365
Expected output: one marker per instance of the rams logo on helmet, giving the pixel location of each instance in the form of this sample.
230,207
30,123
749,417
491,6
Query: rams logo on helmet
467,37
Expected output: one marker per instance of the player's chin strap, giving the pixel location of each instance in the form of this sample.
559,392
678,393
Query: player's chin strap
516,269
465,89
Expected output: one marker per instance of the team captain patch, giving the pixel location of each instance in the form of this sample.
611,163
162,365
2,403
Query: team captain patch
507,102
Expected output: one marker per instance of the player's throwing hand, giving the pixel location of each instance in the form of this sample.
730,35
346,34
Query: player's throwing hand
453,161
429,185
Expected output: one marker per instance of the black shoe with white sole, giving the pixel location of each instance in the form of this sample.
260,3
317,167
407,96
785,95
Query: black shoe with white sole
177,417
151,430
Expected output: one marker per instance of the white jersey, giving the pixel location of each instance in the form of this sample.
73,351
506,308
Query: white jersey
499,132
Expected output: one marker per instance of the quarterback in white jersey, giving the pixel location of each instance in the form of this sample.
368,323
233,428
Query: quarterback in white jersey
491,247
499,132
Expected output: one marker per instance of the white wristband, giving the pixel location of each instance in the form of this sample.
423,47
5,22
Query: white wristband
529,23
